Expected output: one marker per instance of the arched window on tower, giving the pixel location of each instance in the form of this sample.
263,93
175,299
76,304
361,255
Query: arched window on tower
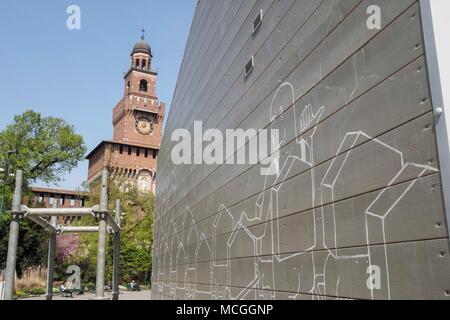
143,85
144,63
137,63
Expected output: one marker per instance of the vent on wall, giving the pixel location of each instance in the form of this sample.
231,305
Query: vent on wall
249,67
257,22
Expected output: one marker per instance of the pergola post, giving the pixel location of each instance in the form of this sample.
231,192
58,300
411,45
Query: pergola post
101,252
11,259
51,256
116,255
38,216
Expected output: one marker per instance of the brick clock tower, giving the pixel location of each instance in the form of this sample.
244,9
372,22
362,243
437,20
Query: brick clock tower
137,121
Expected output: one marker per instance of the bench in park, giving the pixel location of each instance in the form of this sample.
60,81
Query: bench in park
69,292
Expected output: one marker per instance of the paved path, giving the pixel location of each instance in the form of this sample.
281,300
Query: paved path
124,295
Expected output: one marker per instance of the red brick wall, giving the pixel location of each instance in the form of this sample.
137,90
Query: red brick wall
44,198
124,120
122,161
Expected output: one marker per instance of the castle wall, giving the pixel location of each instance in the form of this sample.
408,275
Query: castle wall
127,159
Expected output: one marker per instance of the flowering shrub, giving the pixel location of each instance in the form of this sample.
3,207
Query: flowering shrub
67,245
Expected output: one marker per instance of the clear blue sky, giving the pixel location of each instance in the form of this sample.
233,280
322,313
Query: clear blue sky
77,74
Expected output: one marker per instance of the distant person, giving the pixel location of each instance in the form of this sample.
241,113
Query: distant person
65,291
134,286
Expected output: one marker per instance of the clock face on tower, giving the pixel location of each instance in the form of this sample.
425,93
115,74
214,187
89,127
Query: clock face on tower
144,125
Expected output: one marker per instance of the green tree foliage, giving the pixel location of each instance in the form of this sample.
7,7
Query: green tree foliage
136,236
32,248
137,239
45,149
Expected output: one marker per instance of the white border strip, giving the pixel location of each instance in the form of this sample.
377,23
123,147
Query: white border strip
436,29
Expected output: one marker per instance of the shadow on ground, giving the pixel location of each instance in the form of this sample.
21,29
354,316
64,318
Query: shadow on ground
124,295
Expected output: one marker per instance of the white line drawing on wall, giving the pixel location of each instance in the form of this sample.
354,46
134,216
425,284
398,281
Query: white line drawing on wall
315,269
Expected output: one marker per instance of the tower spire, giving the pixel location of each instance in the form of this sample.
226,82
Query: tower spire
143,34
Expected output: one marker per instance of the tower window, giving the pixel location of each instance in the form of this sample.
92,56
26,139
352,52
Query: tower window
138,152
144,63
143,85
146,153
129,151
121,150
137,63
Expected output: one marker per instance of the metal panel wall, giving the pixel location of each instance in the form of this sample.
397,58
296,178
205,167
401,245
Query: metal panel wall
356,211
